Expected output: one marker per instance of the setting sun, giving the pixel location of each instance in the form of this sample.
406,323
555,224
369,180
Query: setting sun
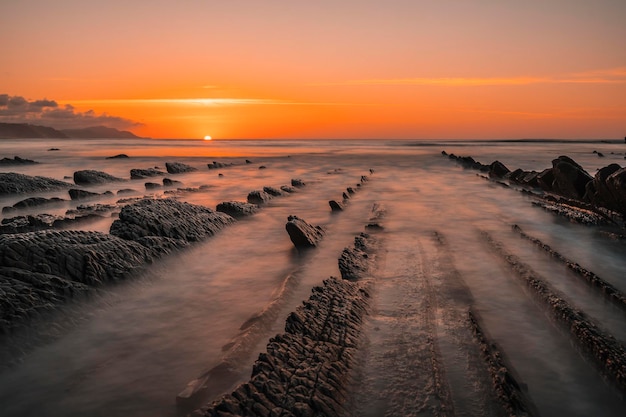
207,137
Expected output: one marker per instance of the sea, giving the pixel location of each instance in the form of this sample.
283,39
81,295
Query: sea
130,348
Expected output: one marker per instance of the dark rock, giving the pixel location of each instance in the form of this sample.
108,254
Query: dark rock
258,197
140,174
54,149
296,182
287,189
597,192
237,209
126,191
178,167
498,170
350,190
272,191
262,167
354,262
91,177
33,202
335,205
167,182
216,165
152,186
570,179
444,153
168,218
73,221
16,161
23,224
13,183
54,266
220,175
616,183
248,161
545,179
302,234
119,156
345,196
76,194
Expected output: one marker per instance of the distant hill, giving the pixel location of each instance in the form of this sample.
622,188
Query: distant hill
24,131
99,132
28,131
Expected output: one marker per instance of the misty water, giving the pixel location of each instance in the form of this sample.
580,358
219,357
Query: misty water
131,348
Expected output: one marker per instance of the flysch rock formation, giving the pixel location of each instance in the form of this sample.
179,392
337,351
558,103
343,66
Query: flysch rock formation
40,270
178,168
306,371
237,209
13,183
302,234
168,218
571,191
92,177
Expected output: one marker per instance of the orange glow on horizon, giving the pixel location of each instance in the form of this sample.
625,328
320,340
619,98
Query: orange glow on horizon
345,70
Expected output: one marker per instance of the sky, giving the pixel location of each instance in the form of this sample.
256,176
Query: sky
419,69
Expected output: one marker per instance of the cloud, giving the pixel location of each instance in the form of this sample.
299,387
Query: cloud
17,109
606,76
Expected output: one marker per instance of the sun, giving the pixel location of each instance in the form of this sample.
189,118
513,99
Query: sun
207,137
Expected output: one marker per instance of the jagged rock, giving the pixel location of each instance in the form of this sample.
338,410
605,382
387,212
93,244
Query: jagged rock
354,262
52,266
258,197
350,190
216,165
616,183
302,234
248,161
152,186
597,191
91,177
296,182
237,209
16,161
100,209
33,202
126,191
545,179
13,183
272,191
76,194
498,170
170,219
287,189
23,224
335,205
167,182
140,174
119,156
178,167
570,179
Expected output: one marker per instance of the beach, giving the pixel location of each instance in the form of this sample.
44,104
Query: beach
451,279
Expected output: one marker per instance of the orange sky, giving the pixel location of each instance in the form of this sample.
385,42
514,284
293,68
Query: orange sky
324,69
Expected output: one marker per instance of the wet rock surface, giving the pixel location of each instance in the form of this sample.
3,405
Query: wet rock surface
92,177
32,202
237,209
40,270
305,371
16,160
13,183
178,167
140,174
302,234
571,191
77,194
258,197
168,218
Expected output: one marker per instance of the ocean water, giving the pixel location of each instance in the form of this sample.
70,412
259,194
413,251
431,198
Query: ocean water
131,348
